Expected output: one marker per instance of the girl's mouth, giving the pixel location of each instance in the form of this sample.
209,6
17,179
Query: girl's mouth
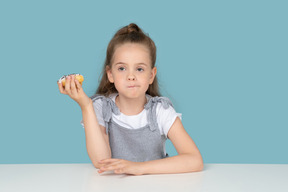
132,86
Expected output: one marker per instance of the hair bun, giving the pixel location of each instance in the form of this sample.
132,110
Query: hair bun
132,27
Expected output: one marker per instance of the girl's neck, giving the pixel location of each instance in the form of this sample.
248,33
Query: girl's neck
130,106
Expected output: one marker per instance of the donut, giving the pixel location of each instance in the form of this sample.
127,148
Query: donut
78,76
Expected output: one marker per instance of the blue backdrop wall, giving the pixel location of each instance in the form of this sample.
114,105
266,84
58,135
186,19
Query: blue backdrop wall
222,63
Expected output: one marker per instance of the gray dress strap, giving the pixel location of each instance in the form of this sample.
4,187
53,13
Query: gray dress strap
108,106
151,105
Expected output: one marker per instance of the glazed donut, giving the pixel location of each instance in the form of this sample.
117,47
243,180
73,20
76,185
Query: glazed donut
78,76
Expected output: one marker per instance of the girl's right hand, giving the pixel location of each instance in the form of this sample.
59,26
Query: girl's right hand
74,89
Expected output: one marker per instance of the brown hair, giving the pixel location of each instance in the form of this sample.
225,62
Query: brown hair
127,34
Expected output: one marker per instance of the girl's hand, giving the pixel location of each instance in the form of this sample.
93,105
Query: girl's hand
121,166
74,89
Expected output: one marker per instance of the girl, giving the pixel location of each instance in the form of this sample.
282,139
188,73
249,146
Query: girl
127,121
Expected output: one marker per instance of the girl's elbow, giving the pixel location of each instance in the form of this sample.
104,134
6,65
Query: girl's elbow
96,165
198,167
198,164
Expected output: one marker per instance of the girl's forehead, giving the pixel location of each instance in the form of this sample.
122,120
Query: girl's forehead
131,46
131,53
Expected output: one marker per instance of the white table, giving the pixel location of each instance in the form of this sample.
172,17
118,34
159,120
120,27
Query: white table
84,177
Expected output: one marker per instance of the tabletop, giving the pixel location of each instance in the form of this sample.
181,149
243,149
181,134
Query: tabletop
84,177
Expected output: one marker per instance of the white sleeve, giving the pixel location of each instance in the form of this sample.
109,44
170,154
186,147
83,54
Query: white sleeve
97,104
166,117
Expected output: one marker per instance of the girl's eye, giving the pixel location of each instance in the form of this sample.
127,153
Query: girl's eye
121,68
140,69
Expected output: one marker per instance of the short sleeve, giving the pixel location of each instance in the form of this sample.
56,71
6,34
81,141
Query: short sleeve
166,118
97,104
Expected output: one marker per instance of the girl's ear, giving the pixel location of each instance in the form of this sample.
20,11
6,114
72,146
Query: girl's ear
153,74
109,74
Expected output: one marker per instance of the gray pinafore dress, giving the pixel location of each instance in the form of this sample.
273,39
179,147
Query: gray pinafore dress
137,145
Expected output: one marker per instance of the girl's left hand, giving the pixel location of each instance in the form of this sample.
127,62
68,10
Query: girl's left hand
121,166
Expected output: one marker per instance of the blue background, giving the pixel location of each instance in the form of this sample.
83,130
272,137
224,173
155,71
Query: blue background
222,63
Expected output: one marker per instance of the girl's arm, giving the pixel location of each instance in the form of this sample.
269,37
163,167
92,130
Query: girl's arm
188,159
97,141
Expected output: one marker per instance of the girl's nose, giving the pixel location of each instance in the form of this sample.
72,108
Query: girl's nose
131,77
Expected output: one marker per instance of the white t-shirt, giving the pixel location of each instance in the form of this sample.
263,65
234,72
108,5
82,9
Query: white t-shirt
165,117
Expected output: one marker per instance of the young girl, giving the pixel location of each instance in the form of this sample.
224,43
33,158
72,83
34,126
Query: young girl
127,121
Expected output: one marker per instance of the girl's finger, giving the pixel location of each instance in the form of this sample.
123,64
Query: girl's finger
73,87
61,88
67,85
119,171
112,167
78,84
111,164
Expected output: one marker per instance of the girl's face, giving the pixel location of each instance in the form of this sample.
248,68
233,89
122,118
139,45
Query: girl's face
131,70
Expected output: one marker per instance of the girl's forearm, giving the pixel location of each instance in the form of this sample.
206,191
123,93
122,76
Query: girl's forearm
177,164
96,146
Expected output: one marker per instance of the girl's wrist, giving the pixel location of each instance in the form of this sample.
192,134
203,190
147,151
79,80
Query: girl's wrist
142,168
87,105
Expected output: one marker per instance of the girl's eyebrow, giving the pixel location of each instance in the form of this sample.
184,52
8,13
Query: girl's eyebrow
135,63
